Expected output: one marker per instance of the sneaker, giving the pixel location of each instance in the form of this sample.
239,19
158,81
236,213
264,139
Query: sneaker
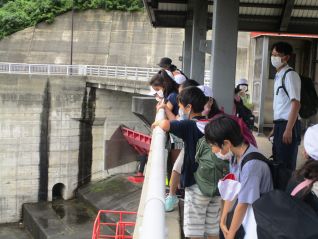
171,202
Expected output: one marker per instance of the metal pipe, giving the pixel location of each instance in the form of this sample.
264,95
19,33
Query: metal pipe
153,219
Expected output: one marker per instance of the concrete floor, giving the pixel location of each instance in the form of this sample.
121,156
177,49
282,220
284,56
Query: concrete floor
13,231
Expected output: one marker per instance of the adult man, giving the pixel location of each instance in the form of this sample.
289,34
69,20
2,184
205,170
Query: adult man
286,107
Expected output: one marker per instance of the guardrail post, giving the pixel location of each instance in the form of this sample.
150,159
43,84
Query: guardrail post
29,69
9,68
136,73
116,71
48,69
98,70
125,71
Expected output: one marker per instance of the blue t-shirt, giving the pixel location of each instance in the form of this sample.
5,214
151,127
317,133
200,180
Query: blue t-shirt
172,98
189,132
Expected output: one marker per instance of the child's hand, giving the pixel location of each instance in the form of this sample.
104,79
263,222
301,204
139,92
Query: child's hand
160,105
155,124
224,229
163,124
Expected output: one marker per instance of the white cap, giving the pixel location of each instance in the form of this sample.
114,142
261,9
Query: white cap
170,74
206,90
152,91
310,142
179,78
242,81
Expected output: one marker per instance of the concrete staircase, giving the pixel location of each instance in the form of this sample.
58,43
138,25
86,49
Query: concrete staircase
75,218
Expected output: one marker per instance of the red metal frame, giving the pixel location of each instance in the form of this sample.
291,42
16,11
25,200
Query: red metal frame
119,227
140,142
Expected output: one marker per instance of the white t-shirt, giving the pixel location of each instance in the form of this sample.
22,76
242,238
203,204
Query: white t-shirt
282,103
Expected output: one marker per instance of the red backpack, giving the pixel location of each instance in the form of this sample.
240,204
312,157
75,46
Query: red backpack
246,132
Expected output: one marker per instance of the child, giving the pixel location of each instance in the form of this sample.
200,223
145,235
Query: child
309,171
165,87
224,135
201,213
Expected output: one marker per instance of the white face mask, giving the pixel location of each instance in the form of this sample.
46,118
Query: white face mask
243,88
183,115
160,93
276,61
228,156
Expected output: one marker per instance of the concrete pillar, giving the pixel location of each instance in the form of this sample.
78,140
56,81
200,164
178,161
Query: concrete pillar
264,79
199,29
187,47
224,48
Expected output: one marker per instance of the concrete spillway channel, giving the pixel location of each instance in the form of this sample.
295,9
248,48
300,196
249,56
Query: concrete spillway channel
75,218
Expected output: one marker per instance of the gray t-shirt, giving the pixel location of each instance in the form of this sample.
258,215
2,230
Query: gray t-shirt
255,178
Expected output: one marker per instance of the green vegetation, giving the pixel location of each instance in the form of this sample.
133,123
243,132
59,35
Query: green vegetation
16,15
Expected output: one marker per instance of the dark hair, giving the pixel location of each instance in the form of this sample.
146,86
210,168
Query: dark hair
192,96
189,82
172,68
163,80
308,171
214,109
283,48
223,128
237,88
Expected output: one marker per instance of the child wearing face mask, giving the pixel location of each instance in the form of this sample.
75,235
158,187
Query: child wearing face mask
201,212
210,110
164,88
241,93
224,135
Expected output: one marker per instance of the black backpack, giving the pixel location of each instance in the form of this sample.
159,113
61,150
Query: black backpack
280,175
279,215
245,114
308,96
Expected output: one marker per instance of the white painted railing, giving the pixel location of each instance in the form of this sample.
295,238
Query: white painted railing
151,212
132,73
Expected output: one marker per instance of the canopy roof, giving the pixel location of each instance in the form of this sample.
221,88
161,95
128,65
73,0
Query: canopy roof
288,16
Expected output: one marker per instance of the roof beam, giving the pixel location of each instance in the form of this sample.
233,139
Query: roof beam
286,15
174,1
154,3
261,5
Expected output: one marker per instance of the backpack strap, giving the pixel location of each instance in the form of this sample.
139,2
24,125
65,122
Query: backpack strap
301,186
253,156
283,83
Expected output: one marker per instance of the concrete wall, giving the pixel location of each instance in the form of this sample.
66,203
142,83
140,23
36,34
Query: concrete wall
115,108
52,130
100,38
105,38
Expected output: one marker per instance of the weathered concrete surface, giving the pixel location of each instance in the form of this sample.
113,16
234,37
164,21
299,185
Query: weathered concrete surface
53,130
66,219
105,38
13,231
100,38
115,193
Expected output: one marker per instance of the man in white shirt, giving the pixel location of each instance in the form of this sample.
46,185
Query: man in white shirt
286,107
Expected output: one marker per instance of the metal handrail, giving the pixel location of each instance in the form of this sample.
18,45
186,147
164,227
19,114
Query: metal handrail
151,212
125,72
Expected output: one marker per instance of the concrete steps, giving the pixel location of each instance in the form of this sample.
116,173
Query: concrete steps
75,218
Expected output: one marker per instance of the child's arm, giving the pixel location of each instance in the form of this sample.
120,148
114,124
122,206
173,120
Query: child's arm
178,128
168,107
163,124
237,220
168,110
225,208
